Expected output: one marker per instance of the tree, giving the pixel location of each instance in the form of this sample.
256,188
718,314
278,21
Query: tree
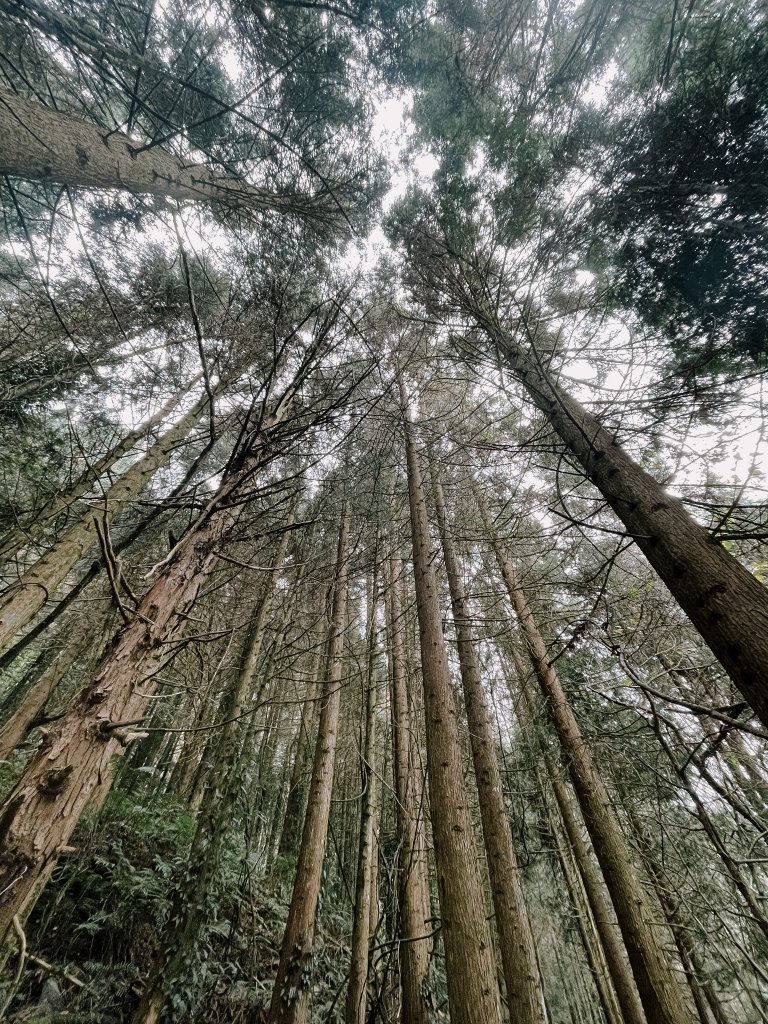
473,992
521,972
657,984
722,598
290,996
415,934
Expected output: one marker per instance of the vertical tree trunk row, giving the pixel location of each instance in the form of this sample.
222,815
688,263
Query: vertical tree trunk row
657,981
525,998
290,996
473,994
415,943
355,1007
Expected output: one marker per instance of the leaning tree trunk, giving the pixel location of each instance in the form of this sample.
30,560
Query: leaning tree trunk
473,994
89,575
525,998
415,945
178,943
41,812
23,599
294,806
48,145
33,532
589,936
723,600
355,1007
598,899
707,1004
661,991
290,995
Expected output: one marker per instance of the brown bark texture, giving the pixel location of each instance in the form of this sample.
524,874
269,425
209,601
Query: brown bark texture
525,998
291,992
470,962
49,145
415,946
660,986
355,1006
590,939
39,815
597,895
294,807
221,793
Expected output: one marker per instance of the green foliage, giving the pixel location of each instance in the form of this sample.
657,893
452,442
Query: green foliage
680,212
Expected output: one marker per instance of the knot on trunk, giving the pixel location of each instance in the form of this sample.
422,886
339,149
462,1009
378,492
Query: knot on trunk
53,782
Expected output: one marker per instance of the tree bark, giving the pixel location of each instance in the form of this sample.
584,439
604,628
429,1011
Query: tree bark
473,995
290,995
525,998
16,729
723,600
217,807
598,898
290,830
355,1007
40,814
587,927
415,945
44,144
660,989
294,807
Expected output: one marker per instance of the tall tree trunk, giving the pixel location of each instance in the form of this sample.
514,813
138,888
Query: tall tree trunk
723,600
597,895
40,813
290,996
89,575
23,599
660,989
48,145
33,532
354,1012
587,927
525,998
194,745
290,830
415,945
294,807
217,807
708,1005
473,994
